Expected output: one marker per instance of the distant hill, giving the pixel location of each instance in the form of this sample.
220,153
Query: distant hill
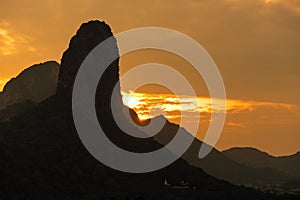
255,158
220,166
35,83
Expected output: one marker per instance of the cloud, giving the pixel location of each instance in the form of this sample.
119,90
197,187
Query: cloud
235,125
7,43
293,5
12,42
150,105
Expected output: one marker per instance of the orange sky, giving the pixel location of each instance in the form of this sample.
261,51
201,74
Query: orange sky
255,44
244,119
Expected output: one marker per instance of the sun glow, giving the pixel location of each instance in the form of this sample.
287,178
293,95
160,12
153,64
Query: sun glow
269,1
144,103
175,107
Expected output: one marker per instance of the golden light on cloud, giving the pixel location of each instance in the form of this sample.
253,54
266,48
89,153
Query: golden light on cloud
12,42
151,105
7,43
291,5
269,1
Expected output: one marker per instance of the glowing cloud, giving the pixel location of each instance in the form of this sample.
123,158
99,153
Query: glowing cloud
7,43
10,41
151,105
289,4
270,1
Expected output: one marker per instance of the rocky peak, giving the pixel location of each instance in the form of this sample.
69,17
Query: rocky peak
88,36
35,83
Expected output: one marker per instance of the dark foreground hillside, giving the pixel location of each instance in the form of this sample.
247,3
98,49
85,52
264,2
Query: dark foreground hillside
42,157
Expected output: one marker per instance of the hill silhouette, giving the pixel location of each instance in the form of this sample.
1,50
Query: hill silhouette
219,165
258,159
42,156
36,83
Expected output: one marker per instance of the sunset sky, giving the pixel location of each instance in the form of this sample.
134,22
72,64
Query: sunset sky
255,44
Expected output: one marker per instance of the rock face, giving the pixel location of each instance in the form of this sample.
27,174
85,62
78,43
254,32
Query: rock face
36,83
87,37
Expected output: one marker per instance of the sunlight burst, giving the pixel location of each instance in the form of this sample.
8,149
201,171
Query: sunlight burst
174,107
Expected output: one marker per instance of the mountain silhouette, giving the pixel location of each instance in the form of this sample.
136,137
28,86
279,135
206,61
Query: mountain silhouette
35,84
220,166
42,156
255,158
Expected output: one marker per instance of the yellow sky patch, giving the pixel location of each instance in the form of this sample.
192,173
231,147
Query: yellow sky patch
12,42
2,83
7,43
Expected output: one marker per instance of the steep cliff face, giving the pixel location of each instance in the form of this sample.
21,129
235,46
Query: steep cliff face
36,83
87,37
